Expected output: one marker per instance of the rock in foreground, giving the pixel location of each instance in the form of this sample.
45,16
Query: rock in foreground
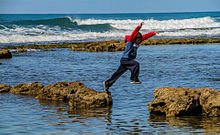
184,101
76,94
5,54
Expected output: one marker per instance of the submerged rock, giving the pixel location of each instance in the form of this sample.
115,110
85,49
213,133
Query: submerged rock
5,54
184,101
76,94
27,89
4,88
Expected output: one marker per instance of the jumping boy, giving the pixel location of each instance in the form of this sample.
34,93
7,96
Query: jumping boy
128,58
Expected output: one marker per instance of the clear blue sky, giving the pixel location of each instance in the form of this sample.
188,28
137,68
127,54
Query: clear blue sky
107,6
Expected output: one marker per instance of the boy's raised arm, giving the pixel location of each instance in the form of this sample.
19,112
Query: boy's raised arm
148,35
135,32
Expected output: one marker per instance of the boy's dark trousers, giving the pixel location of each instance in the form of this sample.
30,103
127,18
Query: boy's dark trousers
125,64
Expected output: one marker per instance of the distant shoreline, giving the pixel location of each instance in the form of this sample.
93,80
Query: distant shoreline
114,45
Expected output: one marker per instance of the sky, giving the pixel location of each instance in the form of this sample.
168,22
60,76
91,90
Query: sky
107,6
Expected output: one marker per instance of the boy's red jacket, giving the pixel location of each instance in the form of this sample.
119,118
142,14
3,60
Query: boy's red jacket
131,37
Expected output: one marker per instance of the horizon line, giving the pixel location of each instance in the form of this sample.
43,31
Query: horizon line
118,12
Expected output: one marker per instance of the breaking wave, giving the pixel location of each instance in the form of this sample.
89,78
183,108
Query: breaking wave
73,29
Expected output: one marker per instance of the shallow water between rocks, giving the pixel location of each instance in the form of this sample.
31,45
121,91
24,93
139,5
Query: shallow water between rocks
190,66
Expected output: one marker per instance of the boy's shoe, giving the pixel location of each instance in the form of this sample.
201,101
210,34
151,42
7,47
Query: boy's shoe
135,82
105,87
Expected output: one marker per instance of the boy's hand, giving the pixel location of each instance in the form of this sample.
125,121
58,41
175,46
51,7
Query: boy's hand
156,32
142,23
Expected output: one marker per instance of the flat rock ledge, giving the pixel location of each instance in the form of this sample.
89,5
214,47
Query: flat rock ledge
5,54
173,102
76,94
112,45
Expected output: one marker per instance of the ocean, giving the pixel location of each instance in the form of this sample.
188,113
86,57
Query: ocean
50,28
185,66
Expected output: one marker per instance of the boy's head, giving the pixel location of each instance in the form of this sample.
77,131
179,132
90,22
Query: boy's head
138,38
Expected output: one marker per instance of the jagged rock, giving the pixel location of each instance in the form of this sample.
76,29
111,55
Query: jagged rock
4,88
60,91
210,101
184,101
5,54
89,98
27,89
76,94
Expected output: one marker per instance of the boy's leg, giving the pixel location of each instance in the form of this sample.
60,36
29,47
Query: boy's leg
115,76
134,67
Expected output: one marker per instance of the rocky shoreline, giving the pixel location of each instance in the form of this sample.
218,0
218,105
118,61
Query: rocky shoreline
76,94
169,102
100,46
113,45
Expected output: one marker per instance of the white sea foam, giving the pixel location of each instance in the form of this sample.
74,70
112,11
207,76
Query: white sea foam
29,50
205,22
194,33
197,27
65,36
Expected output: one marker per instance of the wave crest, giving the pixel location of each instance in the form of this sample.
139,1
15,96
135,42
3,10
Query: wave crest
66,22
69,29
152,24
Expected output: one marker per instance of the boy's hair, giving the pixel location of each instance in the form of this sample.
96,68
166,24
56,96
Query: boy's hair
139,35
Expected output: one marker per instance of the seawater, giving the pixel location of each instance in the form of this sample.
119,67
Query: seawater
191,66
44,28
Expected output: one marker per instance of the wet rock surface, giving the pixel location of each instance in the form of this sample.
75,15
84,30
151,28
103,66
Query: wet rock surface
102,46
5,54
76,94
184,101
27,89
